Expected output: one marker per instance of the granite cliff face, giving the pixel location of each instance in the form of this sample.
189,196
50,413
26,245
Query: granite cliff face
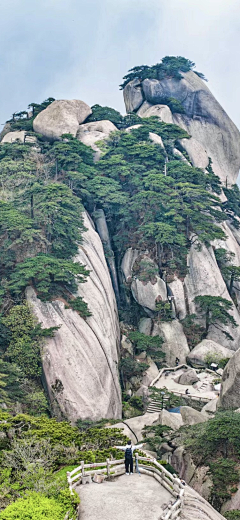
213,135
212,132
80,361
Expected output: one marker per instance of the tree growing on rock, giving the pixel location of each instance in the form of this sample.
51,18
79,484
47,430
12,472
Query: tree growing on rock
215,311
149,344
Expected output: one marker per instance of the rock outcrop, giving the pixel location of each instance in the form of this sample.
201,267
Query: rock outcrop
204,120
91,133
175,343
20,135
191,416
198,356
173,420
80,361
188,377
230,388
205,278
146,292
133,96
133,427
61,117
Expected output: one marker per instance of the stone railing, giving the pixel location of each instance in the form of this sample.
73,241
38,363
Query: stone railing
145,465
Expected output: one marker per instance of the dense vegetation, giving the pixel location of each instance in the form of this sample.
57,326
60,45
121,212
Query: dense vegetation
35,455
169,67
152,200
150,197
220,438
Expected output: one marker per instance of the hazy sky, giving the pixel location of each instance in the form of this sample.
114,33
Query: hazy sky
81,49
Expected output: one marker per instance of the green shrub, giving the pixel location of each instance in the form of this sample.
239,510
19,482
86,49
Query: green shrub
39,507
170,67
79,305
234,514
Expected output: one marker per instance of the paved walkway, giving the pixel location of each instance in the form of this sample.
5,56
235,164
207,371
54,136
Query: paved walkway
131,497
203,388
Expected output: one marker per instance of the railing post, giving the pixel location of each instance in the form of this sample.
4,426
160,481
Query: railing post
69,482
136,462
82,466
108,468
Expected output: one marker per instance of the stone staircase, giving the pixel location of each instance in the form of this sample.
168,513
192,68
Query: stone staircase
156,405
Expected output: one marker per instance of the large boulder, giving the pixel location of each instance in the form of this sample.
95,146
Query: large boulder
145,326
204,119
61,117
91,133
133,427
151,373
146,294
173,420
20,135
163,112
188,377
211,407
208,348
191,416
204,278
145,290
128,261
175,342
179,299
230,387
80,361
133,96
196,151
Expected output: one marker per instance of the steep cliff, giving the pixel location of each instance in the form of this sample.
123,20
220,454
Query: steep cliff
80,361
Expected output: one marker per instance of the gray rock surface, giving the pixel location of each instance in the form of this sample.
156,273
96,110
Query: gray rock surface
80,361
173,420
126,345
91,133
179,301
204,278
102,229
12,137
211,407
188,377
150,373
204,120
133,96
145,326
175,343
144,292
197,508
5,130
147,293
128,261
233,503
133,427
207,347
61,117
230,387
191,416
196,152
156,139
163,112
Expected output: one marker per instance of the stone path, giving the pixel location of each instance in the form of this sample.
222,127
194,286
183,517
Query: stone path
131,497
202,388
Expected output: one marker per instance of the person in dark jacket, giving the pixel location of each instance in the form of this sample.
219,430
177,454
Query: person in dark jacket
129,449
